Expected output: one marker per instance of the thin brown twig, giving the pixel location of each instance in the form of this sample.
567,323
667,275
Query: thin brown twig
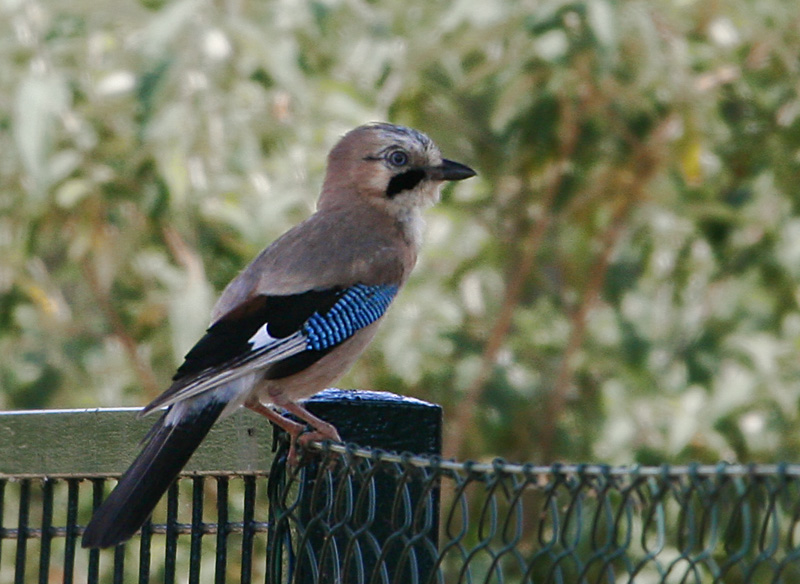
645,167
456,433
182,253
557,399
145,374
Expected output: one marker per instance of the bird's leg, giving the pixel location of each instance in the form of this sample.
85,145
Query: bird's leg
322,429
290,427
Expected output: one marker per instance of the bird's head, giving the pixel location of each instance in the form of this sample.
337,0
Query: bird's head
395,167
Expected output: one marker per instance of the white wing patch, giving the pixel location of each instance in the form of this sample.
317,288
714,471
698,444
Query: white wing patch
211,379
261,339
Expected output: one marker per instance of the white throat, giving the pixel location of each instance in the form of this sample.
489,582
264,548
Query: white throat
413,225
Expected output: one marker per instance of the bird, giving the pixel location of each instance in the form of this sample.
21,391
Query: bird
297,317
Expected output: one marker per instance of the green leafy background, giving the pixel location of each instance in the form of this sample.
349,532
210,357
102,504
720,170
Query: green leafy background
620,283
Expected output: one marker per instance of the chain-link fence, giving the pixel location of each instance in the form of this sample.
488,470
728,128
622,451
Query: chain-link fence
501,522
353,515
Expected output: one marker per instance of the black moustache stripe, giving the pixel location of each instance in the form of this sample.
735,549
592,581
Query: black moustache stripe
405,181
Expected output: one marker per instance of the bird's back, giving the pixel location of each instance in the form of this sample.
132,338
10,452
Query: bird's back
362,256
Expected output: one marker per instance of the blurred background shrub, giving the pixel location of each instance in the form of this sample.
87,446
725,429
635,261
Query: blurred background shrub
620,283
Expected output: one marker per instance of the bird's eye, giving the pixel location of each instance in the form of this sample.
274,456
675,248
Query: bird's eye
397,158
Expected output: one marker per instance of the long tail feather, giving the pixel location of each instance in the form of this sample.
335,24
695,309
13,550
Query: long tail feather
168,449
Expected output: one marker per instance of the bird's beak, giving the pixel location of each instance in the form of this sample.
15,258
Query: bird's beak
450,170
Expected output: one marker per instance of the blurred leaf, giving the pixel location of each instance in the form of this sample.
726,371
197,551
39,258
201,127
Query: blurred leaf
601,19
634,220
40,99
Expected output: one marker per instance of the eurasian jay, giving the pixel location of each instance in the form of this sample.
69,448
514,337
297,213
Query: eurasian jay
297,317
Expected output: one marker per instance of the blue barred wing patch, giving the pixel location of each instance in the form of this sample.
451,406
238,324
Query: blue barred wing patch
357,307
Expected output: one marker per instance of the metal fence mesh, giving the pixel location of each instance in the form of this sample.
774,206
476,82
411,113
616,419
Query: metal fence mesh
41,522
356,516
521,523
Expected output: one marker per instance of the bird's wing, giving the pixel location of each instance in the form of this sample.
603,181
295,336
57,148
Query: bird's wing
275,336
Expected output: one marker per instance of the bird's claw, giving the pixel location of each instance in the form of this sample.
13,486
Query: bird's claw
304,437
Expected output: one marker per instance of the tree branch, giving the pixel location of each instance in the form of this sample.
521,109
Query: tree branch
456,433
645,166
143,371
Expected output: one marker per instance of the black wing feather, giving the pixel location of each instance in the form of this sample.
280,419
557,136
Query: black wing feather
228,338
295,363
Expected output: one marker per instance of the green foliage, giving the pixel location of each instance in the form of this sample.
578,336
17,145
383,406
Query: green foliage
620,283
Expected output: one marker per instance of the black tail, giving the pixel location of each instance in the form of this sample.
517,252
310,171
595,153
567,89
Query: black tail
168,449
